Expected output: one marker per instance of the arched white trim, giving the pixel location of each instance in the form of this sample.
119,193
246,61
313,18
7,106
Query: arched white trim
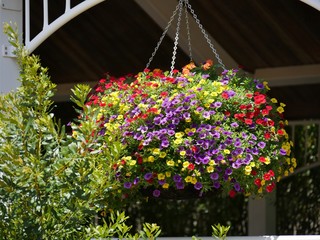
49,29
313,3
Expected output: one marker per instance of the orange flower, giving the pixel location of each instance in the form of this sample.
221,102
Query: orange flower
208,64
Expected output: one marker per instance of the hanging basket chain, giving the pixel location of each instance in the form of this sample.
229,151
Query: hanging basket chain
176,39
205,35
188,30
186,5
162,36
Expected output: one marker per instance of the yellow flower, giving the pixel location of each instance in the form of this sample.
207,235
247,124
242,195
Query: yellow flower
168,174
161,176
260,190
210,169
185,164
188,179
120,117
193,180
163,154
188,119
151,159
266,85
247,170
170,163
177,141
267,160
132,162
274,100
263,182
182,153
212,162
280,109
179,134
156,151
165,186
226,151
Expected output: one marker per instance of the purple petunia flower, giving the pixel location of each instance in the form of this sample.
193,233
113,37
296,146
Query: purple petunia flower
260,86
228,171
165,143
136,181
127,185
255,151
234,124
214,176
261,145
179,185
186,115
156,193
198,185
216,185
148,176
171,132
175,121
193,102
206,114
217,104
161,182
237,187
283,152
177,178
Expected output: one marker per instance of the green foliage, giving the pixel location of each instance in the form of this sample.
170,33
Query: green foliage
116,227
220,231
51,186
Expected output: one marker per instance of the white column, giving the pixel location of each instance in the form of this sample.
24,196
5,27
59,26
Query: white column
262,215
10,11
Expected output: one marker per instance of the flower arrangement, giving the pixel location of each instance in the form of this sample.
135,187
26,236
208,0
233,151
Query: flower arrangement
196,128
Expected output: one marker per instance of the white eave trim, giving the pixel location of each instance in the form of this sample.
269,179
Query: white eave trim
313,3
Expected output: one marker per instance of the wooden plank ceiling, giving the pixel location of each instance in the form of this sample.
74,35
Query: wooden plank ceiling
118,37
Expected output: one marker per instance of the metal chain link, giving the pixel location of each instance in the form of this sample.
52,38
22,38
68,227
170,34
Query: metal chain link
176,39
162,36
188,30
205,35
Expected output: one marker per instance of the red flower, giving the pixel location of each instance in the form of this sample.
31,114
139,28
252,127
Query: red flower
243,107
259,99
164,94
270,187
271,173
232,193
191,166
266,176
280,132
249,95
262,159
267,135
265,112
225,95
227,113
248,121
257,182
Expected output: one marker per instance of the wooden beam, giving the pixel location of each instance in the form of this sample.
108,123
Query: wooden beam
291,75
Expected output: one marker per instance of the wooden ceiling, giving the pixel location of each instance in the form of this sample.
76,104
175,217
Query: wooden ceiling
119,37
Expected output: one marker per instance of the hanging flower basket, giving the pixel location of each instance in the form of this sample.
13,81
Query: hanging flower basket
196,129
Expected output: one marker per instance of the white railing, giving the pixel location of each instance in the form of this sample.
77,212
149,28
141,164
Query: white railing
284,237
50,28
